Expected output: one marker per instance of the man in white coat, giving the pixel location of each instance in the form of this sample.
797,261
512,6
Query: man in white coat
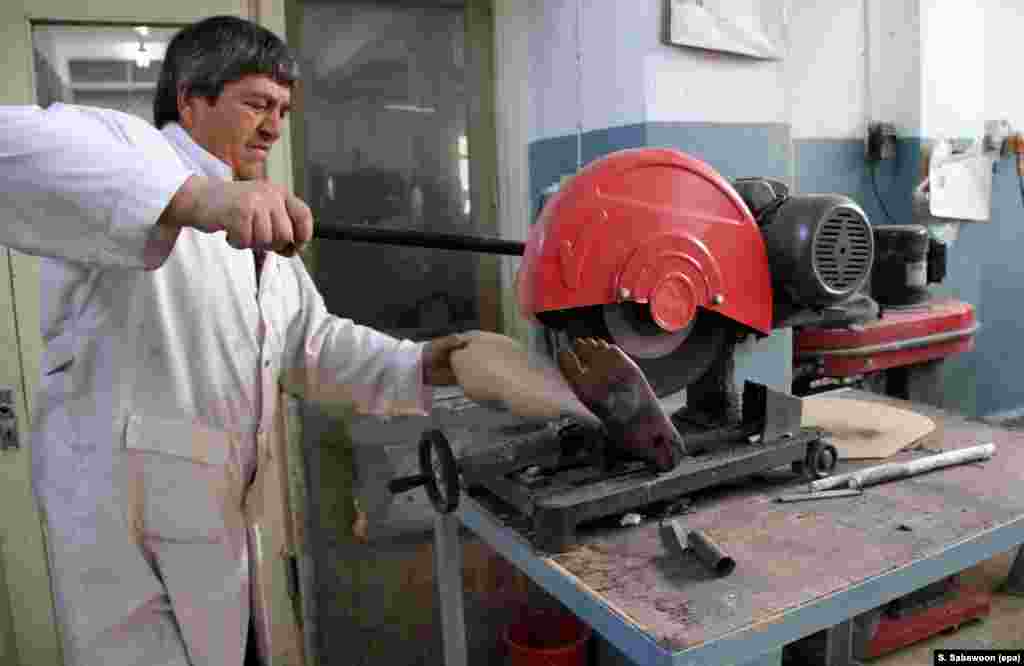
168,328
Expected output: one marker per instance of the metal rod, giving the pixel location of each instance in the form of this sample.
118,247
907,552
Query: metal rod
709,552
825,494
427,239
873,475
830,482
448,572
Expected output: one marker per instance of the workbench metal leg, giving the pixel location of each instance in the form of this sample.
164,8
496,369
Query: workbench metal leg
1015,580
448,573
839,645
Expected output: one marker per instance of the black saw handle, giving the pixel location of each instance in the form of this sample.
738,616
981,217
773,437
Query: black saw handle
414,238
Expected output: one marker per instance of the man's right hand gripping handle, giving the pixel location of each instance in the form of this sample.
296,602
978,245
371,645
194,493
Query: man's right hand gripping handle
254,213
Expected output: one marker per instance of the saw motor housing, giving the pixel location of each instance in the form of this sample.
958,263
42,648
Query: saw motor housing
656,251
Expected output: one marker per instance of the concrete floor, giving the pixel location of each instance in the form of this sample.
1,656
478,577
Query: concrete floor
1002,629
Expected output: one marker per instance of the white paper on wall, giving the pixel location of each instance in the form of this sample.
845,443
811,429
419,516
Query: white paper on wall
960,184
734,26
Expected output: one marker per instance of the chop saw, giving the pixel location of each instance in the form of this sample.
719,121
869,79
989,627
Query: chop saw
654,251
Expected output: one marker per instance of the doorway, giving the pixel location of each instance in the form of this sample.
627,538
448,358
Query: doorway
113,67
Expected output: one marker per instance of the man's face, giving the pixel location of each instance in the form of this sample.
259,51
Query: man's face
243,123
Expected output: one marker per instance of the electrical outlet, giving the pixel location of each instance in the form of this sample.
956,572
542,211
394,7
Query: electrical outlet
881,142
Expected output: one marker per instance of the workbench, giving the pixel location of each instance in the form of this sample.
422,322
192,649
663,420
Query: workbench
801,567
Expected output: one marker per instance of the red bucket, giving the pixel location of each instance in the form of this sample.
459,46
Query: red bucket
544,638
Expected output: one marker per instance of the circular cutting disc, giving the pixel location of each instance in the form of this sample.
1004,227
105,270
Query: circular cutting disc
670,361
636,333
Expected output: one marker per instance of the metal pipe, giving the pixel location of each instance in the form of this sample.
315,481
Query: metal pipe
830,482
873,475
709,552
824,494
426,239
887,471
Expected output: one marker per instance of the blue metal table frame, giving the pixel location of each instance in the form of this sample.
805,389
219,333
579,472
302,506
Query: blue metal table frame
749,646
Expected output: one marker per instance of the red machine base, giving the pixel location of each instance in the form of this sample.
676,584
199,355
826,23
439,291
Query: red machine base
894,633
935,329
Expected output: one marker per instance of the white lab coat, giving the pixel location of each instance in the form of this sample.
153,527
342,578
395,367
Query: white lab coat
159,387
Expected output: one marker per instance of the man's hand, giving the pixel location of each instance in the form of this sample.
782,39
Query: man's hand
255,213
437,359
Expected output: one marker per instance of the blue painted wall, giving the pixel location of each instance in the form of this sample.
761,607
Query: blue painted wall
733,150
986,270
838,165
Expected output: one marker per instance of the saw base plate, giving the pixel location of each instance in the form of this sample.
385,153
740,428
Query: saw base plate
557,496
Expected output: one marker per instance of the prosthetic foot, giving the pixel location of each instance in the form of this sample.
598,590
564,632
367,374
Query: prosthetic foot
612,386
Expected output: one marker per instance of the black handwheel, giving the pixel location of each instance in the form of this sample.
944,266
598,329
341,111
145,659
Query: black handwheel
821,460
440,471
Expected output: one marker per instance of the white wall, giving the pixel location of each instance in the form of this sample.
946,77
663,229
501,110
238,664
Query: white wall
930,70
690,85
931,67
613,68
629,75
606,87
953,66
854,61
894,48
552,70
826,68
1004,96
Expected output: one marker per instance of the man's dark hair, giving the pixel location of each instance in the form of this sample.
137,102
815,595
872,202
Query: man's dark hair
205,56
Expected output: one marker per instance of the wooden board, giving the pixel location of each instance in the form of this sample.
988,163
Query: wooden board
861,429
497,371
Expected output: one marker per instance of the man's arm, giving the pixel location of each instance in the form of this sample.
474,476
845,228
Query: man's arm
333,360
102,187
83,184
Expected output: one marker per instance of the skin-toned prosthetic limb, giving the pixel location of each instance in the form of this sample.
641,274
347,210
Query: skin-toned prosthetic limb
612,386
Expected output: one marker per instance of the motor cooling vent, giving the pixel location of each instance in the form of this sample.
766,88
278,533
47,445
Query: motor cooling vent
842,251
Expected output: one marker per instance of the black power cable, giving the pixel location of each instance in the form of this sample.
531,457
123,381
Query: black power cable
874,185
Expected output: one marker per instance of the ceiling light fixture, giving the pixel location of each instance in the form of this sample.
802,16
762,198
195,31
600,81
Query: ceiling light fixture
413,108
142,56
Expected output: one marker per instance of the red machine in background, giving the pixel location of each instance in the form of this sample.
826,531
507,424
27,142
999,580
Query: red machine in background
900,352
